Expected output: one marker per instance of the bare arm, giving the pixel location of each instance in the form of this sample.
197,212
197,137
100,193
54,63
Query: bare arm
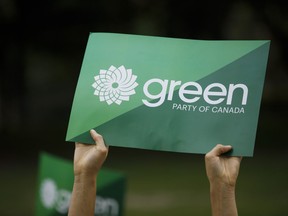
88,160
222,172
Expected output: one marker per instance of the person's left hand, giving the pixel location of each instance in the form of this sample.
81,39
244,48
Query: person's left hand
88,158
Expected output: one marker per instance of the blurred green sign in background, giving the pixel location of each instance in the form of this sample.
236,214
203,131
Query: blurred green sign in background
55,183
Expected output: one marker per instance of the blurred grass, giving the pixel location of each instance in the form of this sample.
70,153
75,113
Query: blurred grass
162,183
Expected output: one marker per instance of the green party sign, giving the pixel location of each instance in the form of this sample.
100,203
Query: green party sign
169,94
55,183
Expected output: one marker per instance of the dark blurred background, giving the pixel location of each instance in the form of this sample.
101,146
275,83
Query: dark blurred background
41,49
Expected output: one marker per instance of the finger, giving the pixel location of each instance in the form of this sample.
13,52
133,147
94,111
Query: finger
97,138
220,149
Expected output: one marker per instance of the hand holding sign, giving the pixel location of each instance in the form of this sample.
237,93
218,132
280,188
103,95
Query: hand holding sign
222,172
88,160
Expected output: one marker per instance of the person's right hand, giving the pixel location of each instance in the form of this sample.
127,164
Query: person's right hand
222,169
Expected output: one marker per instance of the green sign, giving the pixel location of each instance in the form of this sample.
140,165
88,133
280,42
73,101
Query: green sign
169,94
55,183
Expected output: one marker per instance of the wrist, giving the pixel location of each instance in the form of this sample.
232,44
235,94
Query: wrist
85,172
83,195
222,189
85,178
223,201
224,185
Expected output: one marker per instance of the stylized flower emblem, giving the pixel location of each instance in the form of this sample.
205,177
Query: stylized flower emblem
48,193
115,84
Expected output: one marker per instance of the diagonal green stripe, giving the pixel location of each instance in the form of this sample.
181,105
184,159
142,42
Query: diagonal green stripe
149,57
123,128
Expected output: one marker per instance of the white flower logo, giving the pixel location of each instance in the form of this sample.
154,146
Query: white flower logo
48,193
115,84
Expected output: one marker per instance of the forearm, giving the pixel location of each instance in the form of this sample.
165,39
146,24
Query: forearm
223,201
83,196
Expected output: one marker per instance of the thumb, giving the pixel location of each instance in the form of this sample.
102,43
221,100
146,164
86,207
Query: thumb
98,139
220,149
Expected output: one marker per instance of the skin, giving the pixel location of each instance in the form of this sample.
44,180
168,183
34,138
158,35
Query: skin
222,173
88,160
